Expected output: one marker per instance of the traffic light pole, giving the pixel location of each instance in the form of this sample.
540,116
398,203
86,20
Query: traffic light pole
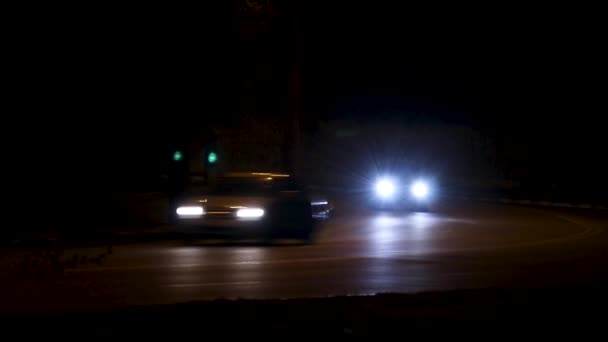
292,136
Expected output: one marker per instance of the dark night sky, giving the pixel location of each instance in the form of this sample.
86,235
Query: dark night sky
509,66
524,73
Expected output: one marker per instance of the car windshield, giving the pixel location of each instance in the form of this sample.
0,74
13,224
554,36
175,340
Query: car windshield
236,186
242,187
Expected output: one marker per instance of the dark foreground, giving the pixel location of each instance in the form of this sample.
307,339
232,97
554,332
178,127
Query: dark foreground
573,309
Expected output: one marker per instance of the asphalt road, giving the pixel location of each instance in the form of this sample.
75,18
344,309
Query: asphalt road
359,251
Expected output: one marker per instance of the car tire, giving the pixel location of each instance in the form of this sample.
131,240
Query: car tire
271,226
291,220
307,238
304,227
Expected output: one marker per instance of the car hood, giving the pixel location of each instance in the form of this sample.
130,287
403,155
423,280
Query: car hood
228,202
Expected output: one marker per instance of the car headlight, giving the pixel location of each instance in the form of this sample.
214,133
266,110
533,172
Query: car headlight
385,188
250,212
190,211
420,189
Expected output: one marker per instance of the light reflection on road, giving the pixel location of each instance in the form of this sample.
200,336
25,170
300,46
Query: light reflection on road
360,254
400,233
246,269
397,234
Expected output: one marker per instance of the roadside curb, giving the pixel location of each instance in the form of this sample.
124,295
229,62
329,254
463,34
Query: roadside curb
535,202
122,236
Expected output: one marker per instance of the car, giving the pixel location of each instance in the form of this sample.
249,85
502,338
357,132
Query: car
389,192
264,205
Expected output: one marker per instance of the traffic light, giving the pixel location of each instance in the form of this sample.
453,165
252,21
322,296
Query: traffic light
211,157
178,155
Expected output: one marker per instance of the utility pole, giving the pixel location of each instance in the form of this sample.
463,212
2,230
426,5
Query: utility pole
292,132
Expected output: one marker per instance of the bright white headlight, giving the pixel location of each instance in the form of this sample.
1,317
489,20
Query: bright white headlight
190,211
420,189
250,212
385,188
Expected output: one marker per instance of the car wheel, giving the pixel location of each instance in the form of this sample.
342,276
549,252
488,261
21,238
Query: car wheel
307,238
271,228
291,220
304,225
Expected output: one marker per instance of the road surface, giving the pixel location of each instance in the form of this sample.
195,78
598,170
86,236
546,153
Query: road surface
359,251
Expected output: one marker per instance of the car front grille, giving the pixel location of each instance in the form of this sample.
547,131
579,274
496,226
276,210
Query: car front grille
220,212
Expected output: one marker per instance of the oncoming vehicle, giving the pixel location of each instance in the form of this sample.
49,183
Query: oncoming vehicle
249,204
393,193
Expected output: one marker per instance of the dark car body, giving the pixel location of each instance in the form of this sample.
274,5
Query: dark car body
250,204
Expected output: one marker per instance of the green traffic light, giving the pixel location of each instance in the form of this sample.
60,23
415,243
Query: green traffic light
212,157
177,156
